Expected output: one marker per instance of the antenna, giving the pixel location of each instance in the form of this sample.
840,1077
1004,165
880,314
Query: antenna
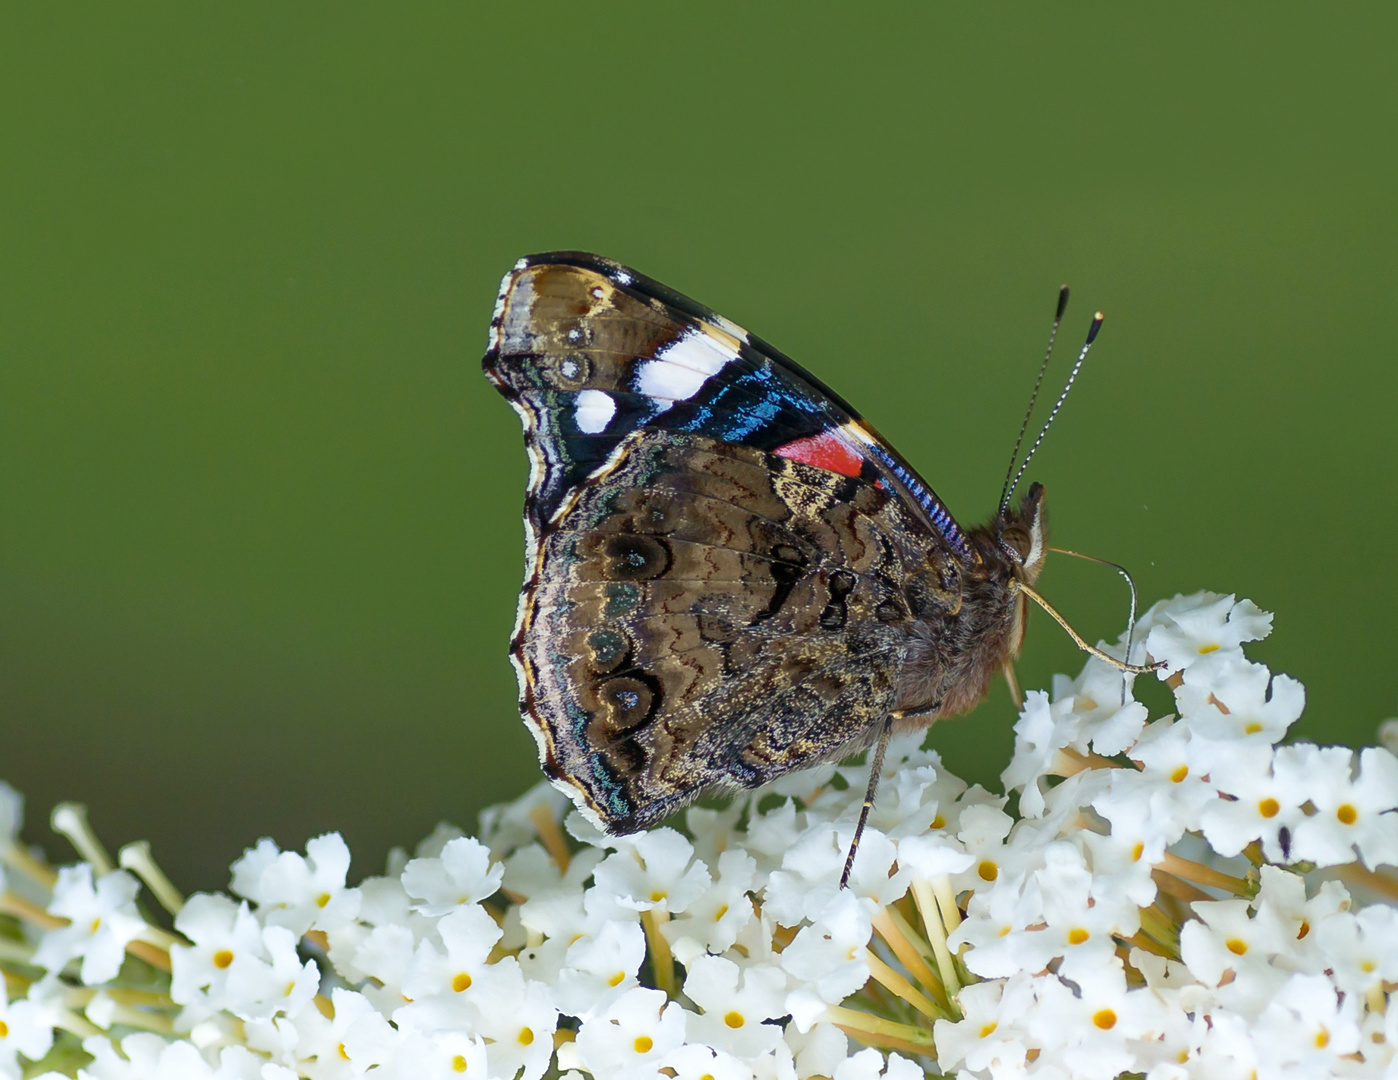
1072,376
1043,369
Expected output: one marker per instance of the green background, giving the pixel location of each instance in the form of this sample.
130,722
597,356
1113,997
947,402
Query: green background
259,536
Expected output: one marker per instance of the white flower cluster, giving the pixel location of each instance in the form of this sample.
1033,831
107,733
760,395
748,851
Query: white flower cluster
1177,898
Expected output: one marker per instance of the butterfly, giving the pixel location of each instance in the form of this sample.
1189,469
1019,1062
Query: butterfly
730,575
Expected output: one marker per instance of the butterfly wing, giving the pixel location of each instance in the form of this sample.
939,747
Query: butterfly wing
724,561
587,351
710,614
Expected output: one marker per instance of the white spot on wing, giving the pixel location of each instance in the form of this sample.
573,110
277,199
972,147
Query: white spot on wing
569,368
621,277
731,327
594,411
681,368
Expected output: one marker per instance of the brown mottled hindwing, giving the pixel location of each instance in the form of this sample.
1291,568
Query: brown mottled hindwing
712,615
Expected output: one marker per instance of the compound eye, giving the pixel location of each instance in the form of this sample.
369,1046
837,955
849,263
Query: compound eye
1016,541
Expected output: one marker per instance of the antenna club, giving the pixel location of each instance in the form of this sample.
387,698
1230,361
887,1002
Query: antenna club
1062,303
1096,326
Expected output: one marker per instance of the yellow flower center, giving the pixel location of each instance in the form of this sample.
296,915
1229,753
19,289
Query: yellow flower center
1237,946
1077,935
1204,650
1347,814
1179,774
1269,807
458,1064
223,958
988,871
526,1036
461,981
1104,1019
734,1019
643,1044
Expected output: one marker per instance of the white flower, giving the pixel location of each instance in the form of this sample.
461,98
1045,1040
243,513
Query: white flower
695,1061
736,1002
1226,698
225,936
598,970
1349,811
870,1065
282,984
827,959
1088,1027
144,1056
987,1037
1307,1029
299,893
26,1027
1188,628
633,1038
653,870
449,979
713,922
1263,806
103,920
463,874
441,1055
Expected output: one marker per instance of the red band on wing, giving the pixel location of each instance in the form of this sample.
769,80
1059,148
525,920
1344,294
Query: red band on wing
825,451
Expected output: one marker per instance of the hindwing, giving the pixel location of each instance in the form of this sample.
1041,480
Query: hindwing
709,614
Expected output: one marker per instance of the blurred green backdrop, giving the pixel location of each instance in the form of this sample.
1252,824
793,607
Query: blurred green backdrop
259,536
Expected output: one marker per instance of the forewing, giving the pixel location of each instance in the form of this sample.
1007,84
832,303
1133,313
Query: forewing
588,352
707,614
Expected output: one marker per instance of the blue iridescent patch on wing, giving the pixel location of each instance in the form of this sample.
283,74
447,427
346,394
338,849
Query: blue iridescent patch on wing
941,520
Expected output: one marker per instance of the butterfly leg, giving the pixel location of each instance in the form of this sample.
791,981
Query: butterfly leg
874,770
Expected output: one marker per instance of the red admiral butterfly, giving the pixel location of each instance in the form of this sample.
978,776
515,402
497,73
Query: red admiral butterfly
729,574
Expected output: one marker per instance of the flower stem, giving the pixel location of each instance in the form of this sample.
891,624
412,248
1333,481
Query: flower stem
551,836
1161,929
662,961
901,986
153,955
936,935
1173,886
907,944
1070,762
19,857
137,858
1357,874
876,1031
22,909
1200,874
946,903
70,819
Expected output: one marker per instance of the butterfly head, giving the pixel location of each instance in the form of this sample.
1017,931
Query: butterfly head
1022,535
